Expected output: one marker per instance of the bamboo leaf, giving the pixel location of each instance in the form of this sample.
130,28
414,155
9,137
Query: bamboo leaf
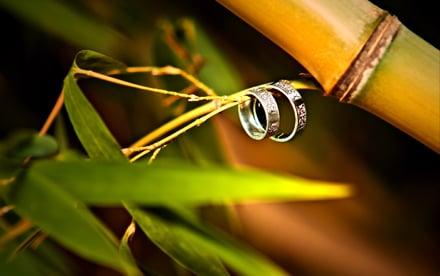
60,19
100,144
8,169
91,130
37,146
237,256
91,60
98,141
108,183
19,146
64,218
187,252
24,264
28,144
45,260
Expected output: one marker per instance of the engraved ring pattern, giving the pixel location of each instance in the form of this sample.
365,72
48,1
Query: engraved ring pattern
257,127
247,111
298,106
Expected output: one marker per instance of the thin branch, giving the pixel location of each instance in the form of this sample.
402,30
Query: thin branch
169,71
96,75
53,114
155,154
188,90
18,229
24,244
5,209
179,132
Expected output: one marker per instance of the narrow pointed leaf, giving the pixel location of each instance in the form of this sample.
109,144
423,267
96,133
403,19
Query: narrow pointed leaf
91,60
24,144
89,127
187,251
100,144
64,218
237,256
44,260
97,140
108,183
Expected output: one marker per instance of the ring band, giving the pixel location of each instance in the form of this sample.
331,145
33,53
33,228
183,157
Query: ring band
249,118
297,104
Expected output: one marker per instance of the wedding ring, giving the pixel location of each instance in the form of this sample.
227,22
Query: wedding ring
259,116
296,102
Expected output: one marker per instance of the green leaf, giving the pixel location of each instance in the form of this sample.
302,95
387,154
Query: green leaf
91,130
37,146
97,140
66,22
8,169
108,183
192,234
64,218
91,60
186,251
25,263
44,260
19,146
24,144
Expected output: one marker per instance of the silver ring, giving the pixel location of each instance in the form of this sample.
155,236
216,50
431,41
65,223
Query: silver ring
257,128
298,106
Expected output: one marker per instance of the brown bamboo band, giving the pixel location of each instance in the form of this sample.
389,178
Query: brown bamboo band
364,64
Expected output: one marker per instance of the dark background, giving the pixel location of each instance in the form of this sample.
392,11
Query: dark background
33,64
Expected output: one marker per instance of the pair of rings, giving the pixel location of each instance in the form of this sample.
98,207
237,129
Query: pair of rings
260,115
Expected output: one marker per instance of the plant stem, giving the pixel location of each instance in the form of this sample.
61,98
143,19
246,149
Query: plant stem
166,70
404,89
96,75
176,122
53,114
323,35
360,54
174,135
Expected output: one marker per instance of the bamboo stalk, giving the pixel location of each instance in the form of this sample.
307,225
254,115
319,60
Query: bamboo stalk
404,88
358,53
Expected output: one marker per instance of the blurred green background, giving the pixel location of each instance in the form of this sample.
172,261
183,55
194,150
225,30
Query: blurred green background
389,227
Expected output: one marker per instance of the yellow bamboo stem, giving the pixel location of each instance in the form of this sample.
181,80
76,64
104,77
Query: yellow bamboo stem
358,53
405,88
323,35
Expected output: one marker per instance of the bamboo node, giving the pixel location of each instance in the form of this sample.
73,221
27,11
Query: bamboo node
362,67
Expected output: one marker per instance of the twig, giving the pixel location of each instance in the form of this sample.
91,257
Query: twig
179,132
155,154
16,230
96,75
53,114
166,70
